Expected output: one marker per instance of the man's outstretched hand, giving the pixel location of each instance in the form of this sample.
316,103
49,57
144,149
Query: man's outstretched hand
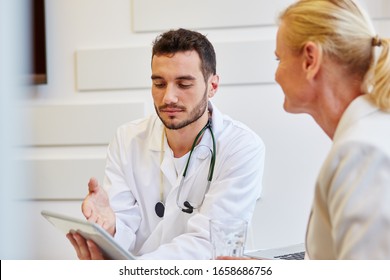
96,207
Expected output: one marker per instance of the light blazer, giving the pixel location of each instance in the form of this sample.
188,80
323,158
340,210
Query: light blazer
350,216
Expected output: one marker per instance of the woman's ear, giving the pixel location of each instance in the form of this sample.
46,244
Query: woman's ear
214,84
312,59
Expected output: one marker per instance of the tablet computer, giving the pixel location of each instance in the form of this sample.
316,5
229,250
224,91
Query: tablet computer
92,231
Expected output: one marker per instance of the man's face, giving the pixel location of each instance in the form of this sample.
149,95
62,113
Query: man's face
179,90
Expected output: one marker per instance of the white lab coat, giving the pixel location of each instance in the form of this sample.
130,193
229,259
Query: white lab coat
351,211
133,183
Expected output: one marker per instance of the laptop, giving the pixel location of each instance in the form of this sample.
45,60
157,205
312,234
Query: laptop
110,248
292,252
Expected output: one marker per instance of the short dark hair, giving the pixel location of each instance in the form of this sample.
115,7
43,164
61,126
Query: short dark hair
182,40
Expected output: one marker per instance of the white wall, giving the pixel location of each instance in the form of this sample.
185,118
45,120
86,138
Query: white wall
98,55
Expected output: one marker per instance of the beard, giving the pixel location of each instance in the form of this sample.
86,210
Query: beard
194,115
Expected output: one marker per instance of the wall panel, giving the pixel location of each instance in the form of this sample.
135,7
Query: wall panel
377,9
77,124
117,68
243,63
248,62
62,178
152,15
382,27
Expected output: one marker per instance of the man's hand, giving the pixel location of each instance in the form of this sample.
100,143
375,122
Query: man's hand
85,249
96,207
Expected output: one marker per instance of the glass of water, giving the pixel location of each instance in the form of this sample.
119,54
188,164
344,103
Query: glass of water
228,237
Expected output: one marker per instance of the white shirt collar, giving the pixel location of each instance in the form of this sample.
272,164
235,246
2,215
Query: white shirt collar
357,109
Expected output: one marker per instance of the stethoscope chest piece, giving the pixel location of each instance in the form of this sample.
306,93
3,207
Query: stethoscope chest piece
159,209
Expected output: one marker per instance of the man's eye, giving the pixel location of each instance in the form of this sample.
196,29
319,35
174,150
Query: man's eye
184,86
159,85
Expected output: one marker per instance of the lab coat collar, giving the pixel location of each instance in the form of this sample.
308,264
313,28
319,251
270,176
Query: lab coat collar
216,120
156,134
359,108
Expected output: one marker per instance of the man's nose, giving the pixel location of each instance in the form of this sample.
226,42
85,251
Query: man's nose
170,95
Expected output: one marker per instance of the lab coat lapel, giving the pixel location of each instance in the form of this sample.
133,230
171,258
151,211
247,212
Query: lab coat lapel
168,166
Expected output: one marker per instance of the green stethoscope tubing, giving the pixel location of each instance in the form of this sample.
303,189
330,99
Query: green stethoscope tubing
188,206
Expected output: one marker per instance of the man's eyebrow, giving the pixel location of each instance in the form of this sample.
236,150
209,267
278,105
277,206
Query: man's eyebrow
155,77
185,77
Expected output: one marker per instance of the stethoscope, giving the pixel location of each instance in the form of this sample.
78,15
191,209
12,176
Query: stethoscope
187,207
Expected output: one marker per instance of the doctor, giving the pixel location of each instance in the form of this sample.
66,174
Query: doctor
169,174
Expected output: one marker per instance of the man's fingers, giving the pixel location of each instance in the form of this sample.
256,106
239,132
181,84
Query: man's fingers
93,185
85,249
86,209
88,203
93,218
74,243
80,245
84,253
95,252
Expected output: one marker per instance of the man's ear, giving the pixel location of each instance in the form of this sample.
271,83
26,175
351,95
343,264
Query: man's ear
214,84
312,59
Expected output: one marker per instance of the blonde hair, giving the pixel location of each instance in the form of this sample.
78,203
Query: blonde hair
345,34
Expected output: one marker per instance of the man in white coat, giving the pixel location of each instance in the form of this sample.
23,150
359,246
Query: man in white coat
169,174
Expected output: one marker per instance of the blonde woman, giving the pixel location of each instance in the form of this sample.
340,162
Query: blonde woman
328,69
